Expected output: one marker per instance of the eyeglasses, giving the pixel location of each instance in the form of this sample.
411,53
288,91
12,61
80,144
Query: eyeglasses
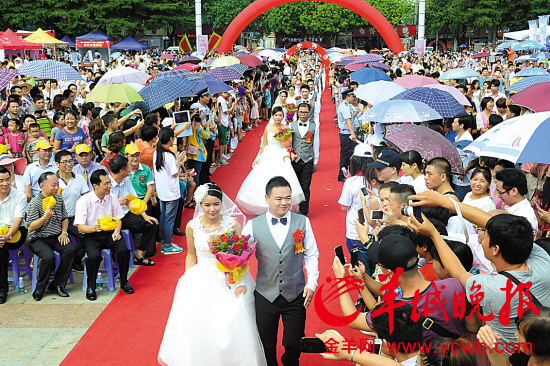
501,193
66,162
303,112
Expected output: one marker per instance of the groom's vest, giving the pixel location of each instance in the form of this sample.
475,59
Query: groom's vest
303,149
280,271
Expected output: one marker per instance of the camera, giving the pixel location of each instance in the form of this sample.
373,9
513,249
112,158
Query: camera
412,211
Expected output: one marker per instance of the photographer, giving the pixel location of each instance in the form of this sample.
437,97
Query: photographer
196,149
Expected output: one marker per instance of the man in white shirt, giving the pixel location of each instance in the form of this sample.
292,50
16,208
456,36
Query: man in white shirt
511,188
224,126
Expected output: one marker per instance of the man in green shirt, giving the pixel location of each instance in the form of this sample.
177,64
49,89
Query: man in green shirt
140,175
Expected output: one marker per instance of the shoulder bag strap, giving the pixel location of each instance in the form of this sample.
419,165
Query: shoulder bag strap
516,281
461,218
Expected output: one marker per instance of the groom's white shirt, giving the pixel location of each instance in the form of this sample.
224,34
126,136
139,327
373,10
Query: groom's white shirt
302,130
280,232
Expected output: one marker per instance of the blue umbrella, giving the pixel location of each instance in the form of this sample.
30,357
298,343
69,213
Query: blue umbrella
527,82
367,75
179,73
279,49
460,73
444,103
213,84
401,111
116,55
505,45
463,45
545,55
525,58
49,69
525,72
528,45
163,91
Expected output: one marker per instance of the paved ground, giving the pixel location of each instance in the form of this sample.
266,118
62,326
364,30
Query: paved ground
43,333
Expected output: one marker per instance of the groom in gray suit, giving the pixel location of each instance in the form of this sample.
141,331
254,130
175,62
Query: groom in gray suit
281,287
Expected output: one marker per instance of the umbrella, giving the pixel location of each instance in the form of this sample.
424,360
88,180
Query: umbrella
519,140
188,67
542,55
505,45
114,93
534,97
359,52
191,59
526,58
453,91
440,100
49,69
460,73
225,61
355,67
379,66
241,48
401,111
213,84
178,74
343,63
429,143
258,49
196,54
166,90
527,82
136,87
123,75
6,76
378,91
225,74
279,50
269,53
528,45
167,56
367,75
239,67
240,53
352,58
463,45
481,54
525,72
115,55
414,81
250,60
369,58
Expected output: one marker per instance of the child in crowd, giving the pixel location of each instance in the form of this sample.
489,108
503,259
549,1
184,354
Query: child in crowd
59,120
33,138
16,139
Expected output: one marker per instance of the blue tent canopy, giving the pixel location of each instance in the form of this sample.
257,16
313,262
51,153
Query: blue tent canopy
95,36
130,44
68,39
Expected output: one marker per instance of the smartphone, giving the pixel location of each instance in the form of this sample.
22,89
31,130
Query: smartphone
365,192
313,345
377,346
361,216
354,257
537,205
376,215
340,254
417,212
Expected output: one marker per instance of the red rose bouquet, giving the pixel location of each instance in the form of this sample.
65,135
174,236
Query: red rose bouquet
233,253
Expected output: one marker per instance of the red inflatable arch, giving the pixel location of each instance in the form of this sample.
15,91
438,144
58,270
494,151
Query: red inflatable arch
360,7
320,50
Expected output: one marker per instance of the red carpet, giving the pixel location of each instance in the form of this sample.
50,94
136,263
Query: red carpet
130,329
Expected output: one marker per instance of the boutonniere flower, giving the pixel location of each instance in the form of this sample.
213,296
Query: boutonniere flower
298,241
308,137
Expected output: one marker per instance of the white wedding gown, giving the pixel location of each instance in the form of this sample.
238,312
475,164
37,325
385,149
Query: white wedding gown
208,324
251,196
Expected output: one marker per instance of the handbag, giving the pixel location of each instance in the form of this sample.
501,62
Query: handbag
192,150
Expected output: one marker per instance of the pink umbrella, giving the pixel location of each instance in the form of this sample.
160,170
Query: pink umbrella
414,81
481,54
355,67
534,97
453,91
189,67
167,56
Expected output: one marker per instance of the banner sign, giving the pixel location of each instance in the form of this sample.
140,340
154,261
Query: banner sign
543,28
93,44
202,44
533,30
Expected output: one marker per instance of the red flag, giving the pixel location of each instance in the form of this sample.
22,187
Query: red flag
185,46
214,41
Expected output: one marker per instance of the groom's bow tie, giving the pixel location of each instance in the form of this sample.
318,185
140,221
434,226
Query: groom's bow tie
302,124
274,221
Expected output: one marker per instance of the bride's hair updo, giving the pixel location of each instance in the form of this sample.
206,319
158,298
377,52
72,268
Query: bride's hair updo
277,109
208,189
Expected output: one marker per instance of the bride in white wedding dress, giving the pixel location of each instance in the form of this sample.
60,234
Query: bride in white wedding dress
211,322
274,160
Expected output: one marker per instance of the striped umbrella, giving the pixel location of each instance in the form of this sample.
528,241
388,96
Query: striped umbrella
225,74
527,82
49,69
177,74
239,67
213,84
371,57
6,76
444,103
163,91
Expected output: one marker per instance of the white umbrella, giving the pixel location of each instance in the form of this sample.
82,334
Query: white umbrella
378,91
519,140
137,87
123,75
269,53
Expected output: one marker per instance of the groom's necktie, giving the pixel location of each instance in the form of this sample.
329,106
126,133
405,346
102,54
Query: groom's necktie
274,221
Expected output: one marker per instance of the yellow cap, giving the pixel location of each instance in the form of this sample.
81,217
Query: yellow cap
131,149
137,206
108,223
48,202
16,237
82,148
3,149
43,144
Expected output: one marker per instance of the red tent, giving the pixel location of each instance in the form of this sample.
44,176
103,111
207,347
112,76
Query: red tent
10,41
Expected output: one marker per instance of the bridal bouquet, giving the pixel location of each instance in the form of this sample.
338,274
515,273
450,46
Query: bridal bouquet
233,253
290,111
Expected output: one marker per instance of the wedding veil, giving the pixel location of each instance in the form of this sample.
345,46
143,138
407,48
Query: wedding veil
229,208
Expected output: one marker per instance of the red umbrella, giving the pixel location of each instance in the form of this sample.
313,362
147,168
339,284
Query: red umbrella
250,61
534,97
189,67
481,54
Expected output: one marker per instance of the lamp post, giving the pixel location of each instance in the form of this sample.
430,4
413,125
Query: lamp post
198,18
